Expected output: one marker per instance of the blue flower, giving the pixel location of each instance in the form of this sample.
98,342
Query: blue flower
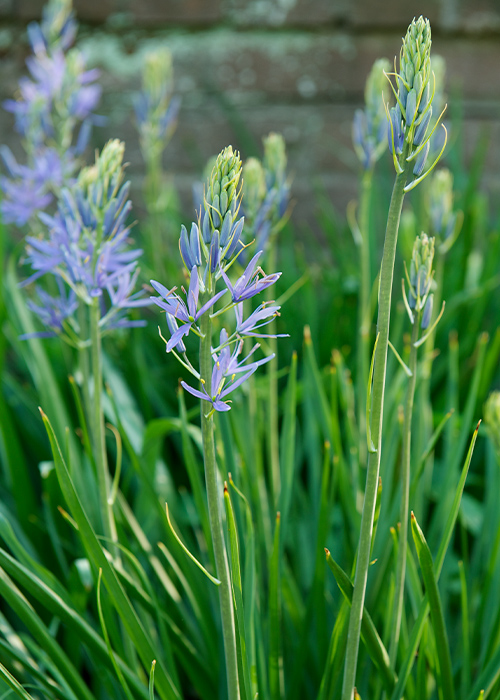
53,311
250,283
226,367
30,190
263,315
172,304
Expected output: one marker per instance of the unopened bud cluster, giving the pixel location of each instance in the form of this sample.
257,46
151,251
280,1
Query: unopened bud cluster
267,191
420,278
409,120
369,126
444,221
156,107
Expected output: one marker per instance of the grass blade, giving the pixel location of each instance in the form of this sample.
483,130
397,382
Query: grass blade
373,643
98,558
436,610
418,626
275,652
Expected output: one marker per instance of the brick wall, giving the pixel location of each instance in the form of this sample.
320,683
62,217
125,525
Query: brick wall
246,67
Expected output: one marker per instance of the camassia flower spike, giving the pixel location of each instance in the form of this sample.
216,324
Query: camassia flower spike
419,302
409,120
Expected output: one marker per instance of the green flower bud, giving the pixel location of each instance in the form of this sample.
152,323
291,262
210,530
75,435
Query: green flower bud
56,20
107,174
438,67
444,221
274,158
409,133
377,91
254,180
223,186
157,77
420,277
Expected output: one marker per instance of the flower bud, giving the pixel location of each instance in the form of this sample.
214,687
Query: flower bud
222,193
415,72
420,276
443,219
254,181
369,123
157,77
274,159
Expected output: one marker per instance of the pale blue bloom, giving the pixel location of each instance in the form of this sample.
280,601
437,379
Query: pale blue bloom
226,367
173,305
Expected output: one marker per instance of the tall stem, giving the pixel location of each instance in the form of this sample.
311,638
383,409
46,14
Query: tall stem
99,442
379,372
405,497
364,316
84,362
214,497
272,370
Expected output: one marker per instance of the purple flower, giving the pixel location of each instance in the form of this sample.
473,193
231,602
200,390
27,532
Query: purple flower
190,247
250,283
226,367
30,190
263,315
53,311
56,79
73,251
173,305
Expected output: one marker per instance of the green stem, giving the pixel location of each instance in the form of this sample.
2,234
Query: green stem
152,191
214,498
272,373
83,355
99,442
405,497
380,367
364,315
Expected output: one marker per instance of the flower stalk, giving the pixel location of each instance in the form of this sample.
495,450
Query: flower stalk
379,372
405,498
215,514
409,143
99,442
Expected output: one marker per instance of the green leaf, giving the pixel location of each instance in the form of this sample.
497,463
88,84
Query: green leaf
374,645
418,626
445,683
98,557
13,597
275,651
241,637
14,683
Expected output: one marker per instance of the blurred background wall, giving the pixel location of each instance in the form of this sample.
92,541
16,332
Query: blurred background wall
247,67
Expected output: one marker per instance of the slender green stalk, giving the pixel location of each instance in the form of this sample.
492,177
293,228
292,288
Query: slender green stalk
364,316
380,367
405,497
214,498
152,191
84,361
272,370
99,442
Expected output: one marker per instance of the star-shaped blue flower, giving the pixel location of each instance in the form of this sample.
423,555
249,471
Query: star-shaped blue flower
172,304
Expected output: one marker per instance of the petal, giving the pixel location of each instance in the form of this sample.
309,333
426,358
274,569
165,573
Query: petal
209,304
193,292
195,392
177,336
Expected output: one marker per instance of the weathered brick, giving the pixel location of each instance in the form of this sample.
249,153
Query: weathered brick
476,16
391,14
303,13
132,12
